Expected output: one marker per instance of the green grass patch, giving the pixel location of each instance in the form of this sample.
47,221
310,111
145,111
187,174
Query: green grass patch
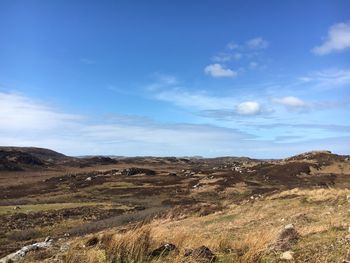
55,206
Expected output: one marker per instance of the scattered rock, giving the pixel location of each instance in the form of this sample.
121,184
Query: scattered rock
289,227
288,255
287,238
91,242
201,254
348,198
163,250
134,170
64,248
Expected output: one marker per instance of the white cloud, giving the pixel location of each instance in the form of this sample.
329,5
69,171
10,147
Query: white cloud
291,103
248,108
219,71
257,43
338,39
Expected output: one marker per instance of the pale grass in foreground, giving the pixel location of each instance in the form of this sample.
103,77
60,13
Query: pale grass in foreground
241,233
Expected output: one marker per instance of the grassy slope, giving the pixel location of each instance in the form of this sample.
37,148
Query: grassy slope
240,233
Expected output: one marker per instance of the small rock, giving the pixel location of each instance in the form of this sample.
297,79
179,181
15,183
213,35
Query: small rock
16,208
91,242
47,239
64,247
88,179
348,198
163,250
288,255
289,227
347,237
287,238
201,254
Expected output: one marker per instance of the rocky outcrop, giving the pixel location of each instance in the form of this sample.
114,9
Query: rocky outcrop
163,250
20,254
201,254
135,170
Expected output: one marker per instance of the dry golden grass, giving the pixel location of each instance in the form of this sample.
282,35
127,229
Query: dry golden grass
317,195
131,247
242,233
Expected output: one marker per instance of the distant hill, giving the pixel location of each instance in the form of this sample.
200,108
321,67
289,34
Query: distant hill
23,158
317,156
41,153
14,160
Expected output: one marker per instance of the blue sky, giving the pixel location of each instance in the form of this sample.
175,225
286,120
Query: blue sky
263,79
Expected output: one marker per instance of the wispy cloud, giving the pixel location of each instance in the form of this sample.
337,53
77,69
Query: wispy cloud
338,39
26,122
19,113
162,80
209,104
219,71
212,106
195,101
330,78
247,55
291,103
232,45
257,43
312,126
